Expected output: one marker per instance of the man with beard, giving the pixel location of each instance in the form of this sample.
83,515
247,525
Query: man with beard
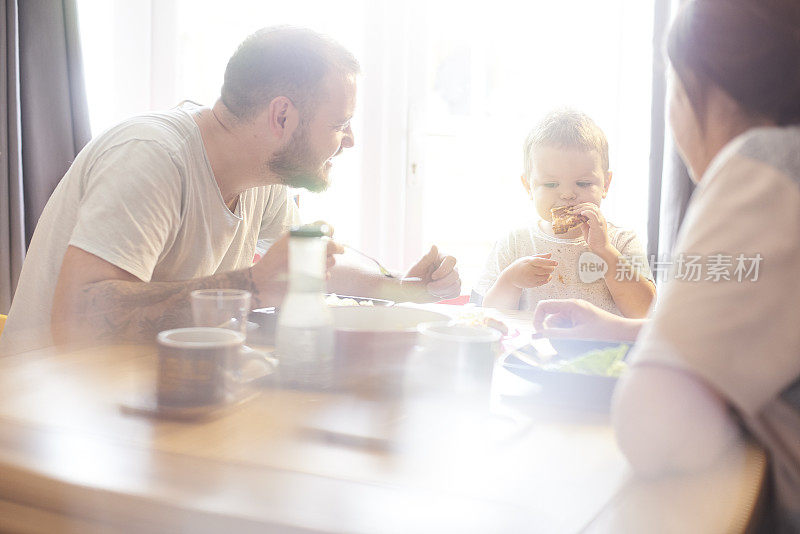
170,202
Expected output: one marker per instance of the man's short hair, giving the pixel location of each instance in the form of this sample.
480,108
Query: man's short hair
283,61
566,128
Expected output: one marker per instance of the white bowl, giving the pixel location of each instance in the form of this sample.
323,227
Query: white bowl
382,319
373,345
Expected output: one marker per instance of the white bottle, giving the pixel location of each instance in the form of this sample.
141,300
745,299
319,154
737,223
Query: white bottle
304,333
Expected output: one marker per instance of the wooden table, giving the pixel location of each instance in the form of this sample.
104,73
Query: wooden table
294,461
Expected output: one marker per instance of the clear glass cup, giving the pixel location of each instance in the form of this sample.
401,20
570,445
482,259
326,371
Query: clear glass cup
222,308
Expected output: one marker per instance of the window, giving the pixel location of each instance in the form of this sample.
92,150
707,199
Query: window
448,95
488,76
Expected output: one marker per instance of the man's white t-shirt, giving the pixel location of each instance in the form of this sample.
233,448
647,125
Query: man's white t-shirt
143,197
566,282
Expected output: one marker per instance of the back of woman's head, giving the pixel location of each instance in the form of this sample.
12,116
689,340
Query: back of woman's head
748,48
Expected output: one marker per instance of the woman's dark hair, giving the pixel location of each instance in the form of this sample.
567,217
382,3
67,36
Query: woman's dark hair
748,48
282,61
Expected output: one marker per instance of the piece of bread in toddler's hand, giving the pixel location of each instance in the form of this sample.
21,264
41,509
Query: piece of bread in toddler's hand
564,220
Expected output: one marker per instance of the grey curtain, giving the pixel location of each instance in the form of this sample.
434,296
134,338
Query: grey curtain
44,122
670,185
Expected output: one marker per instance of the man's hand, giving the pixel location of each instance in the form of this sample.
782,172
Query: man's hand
595,231
575,318
330,261
274,264
438,274
273,267
530,271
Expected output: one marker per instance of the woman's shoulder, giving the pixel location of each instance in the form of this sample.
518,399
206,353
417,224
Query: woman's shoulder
776,147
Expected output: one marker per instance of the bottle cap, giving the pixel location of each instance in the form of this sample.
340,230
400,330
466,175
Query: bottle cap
310,230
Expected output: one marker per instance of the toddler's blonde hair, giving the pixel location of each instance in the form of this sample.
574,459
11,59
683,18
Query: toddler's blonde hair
566,128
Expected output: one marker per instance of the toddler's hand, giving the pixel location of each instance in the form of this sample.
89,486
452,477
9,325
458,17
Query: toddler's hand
595,232
530,271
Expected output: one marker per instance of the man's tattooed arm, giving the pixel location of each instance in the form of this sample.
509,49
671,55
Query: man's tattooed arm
112,311
98,302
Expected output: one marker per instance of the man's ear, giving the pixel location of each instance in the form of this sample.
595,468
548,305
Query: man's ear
607,183
282,118
527,185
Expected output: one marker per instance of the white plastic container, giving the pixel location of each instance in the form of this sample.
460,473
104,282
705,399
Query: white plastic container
304,334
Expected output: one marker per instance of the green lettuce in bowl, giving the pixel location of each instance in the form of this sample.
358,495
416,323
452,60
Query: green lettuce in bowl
604,362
